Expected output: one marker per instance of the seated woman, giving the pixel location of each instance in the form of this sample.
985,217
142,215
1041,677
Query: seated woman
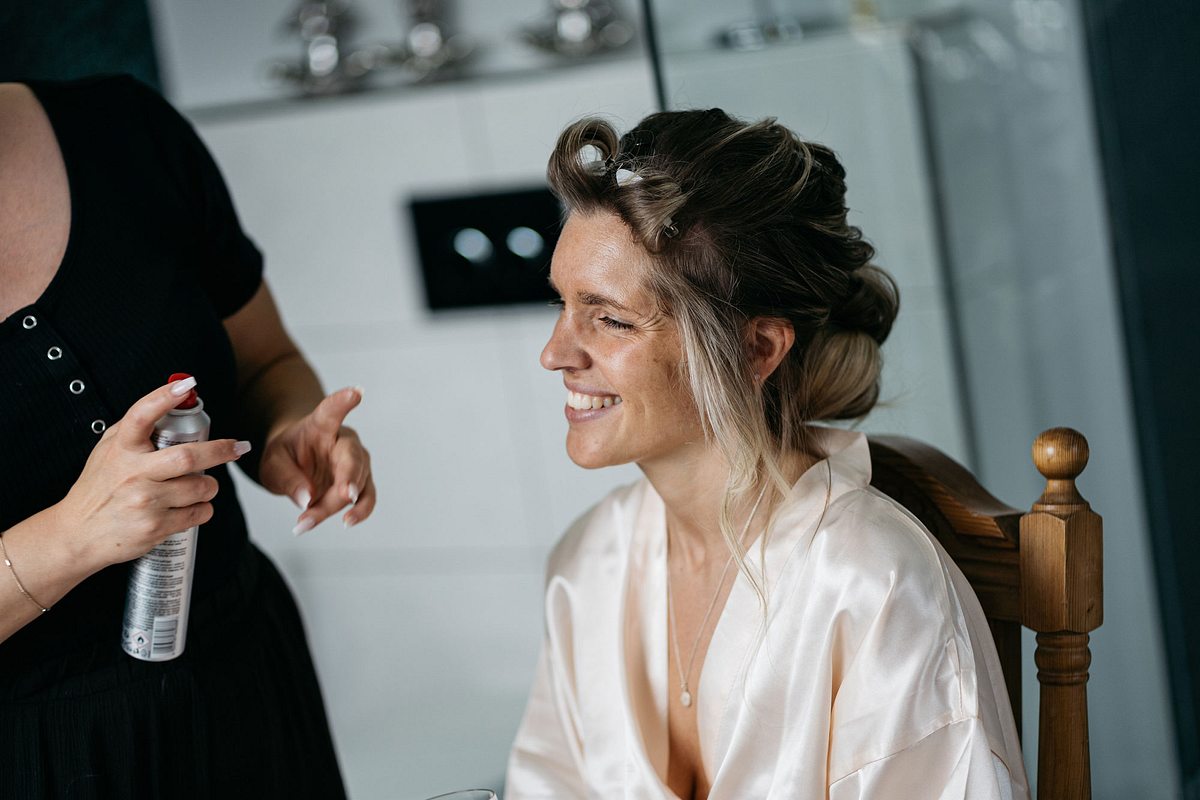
751,620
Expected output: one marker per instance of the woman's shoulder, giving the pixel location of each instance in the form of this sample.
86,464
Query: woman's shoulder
137,121
604,529
99,93
887,551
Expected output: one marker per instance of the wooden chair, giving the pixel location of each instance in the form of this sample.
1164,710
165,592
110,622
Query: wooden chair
1040,569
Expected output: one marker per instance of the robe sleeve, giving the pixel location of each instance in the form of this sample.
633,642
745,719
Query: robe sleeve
914,711
954,762
546,758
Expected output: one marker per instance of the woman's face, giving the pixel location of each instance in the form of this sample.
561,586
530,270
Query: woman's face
620,357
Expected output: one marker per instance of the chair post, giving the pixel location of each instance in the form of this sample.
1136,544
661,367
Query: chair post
1062,600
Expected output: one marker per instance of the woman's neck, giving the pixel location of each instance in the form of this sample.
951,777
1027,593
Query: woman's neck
692,486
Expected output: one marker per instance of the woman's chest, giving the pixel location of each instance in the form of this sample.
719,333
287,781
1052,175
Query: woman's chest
35,219
26,269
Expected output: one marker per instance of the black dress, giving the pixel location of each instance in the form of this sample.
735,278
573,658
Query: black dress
155,260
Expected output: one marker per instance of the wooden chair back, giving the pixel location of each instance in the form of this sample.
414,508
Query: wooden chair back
1041,569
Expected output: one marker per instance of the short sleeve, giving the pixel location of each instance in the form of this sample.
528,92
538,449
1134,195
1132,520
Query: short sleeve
228,264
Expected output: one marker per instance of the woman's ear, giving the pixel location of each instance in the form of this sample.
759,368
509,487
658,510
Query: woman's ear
769,339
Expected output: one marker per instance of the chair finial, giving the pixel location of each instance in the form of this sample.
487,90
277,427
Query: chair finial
1060,454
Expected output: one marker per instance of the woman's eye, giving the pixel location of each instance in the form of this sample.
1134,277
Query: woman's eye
616,325
556,303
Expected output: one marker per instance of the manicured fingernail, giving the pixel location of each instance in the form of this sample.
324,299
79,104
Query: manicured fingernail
361,391
352,493
241,448
181,387
302,498
304,526
348,523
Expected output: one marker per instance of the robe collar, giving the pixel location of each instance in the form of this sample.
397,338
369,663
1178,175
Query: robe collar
644,639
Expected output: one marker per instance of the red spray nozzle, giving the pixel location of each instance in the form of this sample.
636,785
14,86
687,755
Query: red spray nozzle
191,400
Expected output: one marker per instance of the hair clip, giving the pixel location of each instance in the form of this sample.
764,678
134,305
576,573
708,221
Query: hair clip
670,229
624,177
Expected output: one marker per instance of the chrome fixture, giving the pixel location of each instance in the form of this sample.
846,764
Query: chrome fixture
765,29
326,65
580,28
430,44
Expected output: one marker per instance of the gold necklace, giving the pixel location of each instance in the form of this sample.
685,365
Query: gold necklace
685,696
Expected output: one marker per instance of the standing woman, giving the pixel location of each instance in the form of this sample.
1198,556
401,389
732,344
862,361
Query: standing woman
751,620
122,261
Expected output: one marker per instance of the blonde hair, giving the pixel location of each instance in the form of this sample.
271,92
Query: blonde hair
742,221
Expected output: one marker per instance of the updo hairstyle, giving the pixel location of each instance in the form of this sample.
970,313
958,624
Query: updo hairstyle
743,220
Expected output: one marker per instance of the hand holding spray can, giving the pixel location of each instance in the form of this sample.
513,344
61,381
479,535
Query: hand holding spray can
160,582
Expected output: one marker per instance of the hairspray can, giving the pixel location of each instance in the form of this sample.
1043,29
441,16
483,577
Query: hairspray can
160,582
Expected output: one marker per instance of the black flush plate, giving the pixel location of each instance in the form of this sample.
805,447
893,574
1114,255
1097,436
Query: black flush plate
486,249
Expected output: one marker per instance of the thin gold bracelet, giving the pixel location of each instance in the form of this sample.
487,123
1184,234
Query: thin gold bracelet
12,569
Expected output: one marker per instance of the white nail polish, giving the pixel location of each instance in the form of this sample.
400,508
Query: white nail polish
304,526
181,387
302,498
361,391
241,448
348,523
352,493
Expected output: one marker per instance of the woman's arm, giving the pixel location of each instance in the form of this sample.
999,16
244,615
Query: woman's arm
37,556
307,453
276,386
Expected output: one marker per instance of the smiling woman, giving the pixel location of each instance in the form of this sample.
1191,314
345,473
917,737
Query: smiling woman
715,304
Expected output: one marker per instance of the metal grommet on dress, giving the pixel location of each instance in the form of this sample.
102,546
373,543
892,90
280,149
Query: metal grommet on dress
76,386
29,323
54,353
98,426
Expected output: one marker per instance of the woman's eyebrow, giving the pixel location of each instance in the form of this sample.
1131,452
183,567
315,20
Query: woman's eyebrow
593,299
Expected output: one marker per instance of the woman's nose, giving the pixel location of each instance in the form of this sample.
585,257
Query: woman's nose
562,351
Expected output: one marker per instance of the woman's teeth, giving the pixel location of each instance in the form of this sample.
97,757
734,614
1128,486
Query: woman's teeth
585,402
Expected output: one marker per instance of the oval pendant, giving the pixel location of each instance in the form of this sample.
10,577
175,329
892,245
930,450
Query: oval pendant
685,697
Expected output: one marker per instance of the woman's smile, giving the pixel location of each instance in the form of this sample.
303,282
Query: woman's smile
581,402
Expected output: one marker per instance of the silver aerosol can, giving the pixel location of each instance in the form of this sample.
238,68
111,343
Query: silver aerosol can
160,582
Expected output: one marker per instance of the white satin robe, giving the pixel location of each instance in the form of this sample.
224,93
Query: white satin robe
876,677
